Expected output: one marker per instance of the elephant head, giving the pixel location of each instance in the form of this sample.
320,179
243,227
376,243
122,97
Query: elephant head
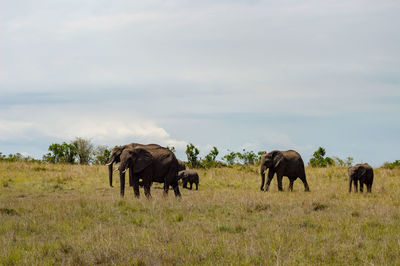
271,160
137,159
356,171
181,166
114,158
181,174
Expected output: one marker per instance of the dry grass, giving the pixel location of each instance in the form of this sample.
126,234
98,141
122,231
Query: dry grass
63,214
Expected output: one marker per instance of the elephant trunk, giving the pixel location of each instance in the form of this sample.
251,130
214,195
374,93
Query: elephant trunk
110,173
350,181
262,171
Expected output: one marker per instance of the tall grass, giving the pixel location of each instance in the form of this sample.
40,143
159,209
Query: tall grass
67,214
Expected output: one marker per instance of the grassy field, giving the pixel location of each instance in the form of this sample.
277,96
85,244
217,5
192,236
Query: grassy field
67,214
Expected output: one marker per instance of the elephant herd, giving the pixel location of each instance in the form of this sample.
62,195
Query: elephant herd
148,163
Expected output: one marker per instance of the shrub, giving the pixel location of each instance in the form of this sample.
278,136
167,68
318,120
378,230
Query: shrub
388,165
210,159
192,155
318,159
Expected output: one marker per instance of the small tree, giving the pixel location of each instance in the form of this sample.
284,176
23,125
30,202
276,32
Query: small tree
101,154
61,153
247,157
343,163
318,159
192,155
230,158
210,159
84,150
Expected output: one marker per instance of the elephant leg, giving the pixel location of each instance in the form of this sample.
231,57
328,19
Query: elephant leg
350,180
166,187
369,188
122,182
304,180
130,177
175,186
355,183
279,177
262,181
191,184
270,176
361,186
291,184
184,184
136,188
147,189
197,186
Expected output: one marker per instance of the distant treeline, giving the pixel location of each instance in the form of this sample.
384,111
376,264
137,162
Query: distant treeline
83,151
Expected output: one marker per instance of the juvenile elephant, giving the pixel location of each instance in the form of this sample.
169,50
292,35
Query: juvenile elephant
189,176
151,165
283,163
362,173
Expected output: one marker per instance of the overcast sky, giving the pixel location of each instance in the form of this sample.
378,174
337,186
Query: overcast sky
259,75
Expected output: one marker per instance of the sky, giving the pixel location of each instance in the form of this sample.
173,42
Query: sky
254,75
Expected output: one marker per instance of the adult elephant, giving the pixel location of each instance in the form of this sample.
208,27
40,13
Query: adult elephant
116,152
283,163
151,165
182,165
362,173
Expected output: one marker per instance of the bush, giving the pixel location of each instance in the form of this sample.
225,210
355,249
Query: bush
388,165
210,159
318,159
18,157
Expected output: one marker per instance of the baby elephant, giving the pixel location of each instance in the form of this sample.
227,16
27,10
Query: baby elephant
189,176
362,173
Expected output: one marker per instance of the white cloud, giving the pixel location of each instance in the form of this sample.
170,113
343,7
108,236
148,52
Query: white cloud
10,129
55,124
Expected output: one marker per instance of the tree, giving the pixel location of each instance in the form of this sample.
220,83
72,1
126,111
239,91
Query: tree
61,153
318,159
230,158
343,163
84,150
210,159
192,155
247,157
101,154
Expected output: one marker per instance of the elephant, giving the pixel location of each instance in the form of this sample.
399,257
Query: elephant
116,154
362,173
189,176
182,165
151,165
283,163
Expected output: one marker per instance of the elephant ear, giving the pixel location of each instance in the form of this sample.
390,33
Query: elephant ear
142,159
278,158
361,170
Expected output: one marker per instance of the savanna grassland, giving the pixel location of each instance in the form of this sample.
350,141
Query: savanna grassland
67,214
